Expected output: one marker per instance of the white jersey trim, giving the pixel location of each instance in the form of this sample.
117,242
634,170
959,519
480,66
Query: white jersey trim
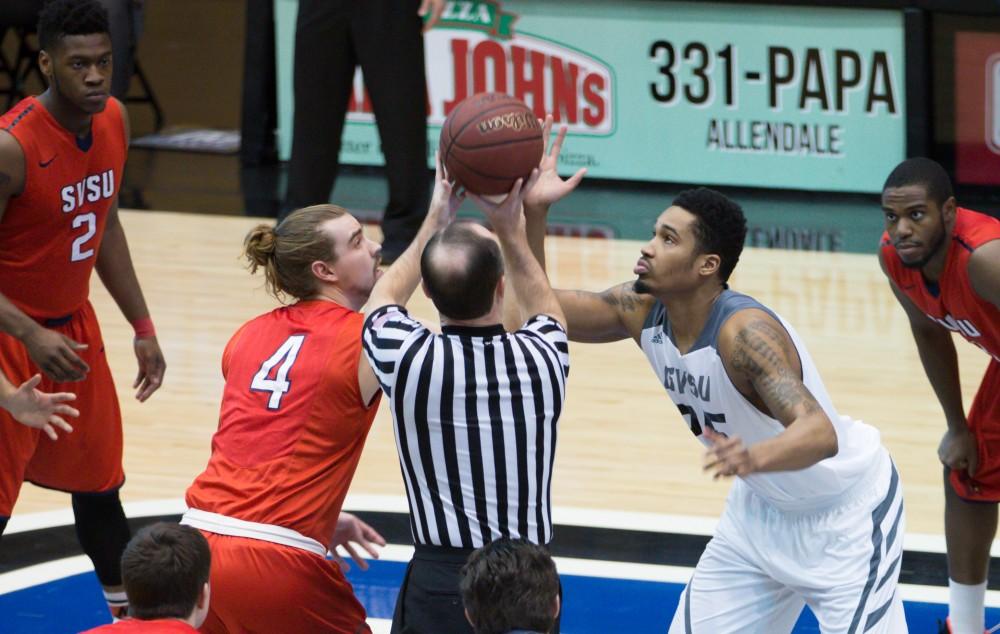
225,525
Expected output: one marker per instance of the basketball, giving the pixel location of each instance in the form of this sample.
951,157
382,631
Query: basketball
489,141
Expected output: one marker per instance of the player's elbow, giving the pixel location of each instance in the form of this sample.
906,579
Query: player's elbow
828,445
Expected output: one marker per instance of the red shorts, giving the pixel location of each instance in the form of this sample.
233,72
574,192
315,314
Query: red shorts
984,421
258,586
89,460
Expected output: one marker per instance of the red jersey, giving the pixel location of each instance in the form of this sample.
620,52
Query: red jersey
293,422
160,626
952,302
51,232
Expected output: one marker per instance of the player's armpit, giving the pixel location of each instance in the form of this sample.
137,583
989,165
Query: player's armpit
614,314
984,272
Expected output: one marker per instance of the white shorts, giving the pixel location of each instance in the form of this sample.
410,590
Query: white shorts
763,565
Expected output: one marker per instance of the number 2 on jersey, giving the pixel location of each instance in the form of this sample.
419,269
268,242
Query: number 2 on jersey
285,355
90,220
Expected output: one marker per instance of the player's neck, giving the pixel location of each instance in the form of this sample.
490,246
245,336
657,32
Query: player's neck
337,296
65,113
490,319
935,266
689,311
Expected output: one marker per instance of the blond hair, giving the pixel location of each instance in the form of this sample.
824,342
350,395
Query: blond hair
286,252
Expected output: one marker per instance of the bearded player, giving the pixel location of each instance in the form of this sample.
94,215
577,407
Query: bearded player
943,263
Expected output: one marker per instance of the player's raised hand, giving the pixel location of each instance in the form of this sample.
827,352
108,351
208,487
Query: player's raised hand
506,215
151,367
40,410
446,198
958,451
350,530
551,187
727,456
55,354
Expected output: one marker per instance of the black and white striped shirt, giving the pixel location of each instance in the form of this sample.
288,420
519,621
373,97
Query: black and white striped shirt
475,413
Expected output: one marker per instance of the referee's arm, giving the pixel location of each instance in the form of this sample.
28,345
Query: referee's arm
525,274
400,280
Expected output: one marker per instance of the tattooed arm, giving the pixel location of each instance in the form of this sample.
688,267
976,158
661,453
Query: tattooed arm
615,314
762,361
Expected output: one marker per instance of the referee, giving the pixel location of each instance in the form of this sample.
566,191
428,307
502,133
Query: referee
474,408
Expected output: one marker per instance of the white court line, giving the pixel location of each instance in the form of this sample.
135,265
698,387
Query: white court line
380,626
44,573
653,522
62,568
573,516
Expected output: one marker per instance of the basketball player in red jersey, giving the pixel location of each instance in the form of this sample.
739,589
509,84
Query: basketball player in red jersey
62,156
943,264
298,403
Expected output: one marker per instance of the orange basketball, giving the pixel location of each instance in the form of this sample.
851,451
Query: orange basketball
489,141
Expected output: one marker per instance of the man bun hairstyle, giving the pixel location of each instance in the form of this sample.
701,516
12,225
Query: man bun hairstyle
286,251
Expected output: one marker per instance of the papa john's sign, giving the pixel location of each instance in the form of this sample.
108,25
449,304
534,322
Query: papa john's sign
667,91
477,47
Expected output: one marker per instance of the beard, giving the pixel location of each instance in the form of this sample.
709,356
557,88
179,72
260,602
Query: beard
641,288
936,244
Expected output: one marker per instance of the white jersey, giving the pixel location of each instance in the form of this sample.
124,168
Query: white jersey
699,385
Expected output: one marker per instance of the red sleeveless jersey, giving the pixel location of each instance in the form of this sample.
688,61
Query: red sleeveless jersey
952,302
292,424
51,232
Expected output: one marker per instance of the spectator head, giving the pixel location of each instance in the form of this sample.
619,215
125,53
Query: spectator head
510,584
165,569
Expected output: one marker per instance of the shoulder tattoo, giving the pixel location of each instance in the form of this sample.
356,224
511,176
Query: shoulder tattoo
623,297
760,353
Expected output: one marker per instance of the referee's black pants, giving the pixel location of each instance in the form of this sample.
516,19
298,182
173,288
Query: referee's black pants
385,38
429,601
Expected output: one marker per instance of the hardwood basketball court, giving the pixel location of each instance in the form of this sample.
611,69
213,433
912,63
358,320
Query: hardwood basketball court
622,444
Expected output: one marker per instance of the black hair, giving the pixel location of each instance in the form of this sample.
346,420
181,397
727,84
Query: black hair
466,291
510,584
721,227
59,18
922,171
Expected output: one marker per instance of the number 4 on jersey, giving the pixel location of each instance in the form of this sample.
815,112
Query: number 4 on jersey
285,355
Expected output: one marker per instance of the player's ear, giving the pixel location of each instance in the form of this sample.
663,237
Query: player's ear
949,209
45,63
710,264
204,596
324,272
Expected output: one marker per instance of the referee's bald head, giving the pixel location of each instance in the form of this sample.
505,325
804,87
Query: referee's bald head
461,267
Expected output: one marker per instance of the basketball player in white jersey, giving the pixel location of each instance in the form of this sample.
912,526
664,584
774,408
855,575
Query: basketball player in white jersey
815,513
